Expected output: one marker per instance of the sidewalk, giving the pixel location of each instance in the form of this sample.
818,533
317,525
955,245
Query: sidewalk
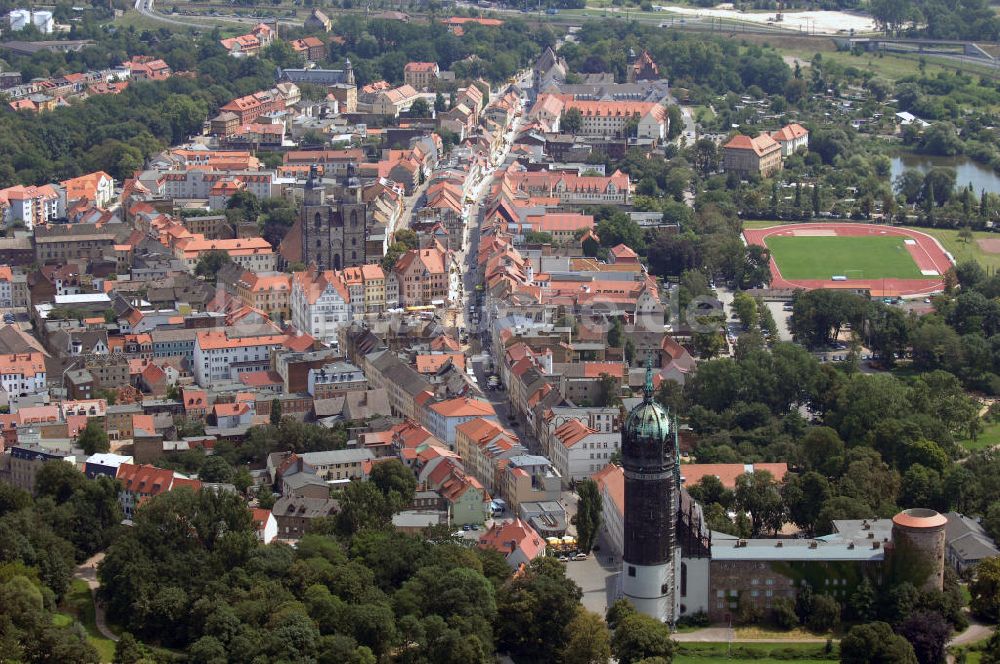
87,571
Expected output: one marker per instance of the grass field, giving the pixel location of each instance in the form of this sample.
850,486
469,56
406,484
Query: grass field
79,605
854,257
965,251
989,437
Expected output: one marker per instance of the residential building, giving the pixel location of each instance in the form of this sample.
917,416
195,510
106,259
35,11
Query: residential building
443,417
320,304
23,461
485,447
139,483
394,101
267,292
530,479
294,514
58,244
311,48
427,276
316,21
336,378
97,188
615,118
791,137
249,108
250,44
22,374
747,156
643,69
265,524
516,540
332,465
31,206
218,356
252,253
578,451
421,75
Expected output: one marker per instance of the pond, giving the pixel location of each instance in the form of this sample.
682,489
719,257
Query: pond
966,170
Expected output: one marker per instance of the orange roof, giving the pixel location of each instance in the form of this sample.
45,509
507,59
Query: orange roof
728,472
432,363
760,145
595,369
421,66
216,339
572,432
790,133
23,364
919,518
611,481
259,517
512,535
464,407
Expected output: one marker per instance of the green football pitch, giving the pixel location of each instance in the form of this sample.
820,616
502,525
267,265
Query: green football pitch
852,257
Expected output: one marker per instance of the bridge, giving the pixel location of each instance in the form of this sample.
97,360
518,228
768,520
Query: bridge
947,47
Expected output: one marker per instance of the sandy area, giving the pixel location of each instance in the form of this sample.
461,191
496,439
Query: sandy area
825,22
989,245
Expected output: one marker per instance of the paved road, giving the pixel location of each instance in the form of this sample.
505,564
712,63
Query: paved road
145,7
87,571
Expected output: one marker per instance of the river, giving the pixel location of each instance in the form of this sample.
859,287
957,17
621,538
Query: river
966,170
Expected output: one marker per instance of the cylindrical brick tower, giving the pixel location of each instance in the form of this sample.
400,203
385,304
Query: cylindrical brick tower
918,543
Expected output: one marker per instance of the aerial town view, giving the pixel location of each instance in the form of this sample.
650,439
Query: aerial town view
500,332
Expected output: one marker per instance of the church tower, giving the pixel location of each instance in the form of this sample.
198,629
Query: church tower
649,461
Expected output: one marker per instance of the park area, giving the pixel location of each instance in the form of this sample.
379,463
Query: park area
884,260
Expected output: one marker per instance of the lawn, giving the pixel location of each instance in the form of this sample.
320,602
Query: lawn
79,605
989,437
853,257
962,250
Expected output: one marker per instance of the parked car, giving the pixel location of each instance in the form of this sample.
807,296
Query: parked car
581,556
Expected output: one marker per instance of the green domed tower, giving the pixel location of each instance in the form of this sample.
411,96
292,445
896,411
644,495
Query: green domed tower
649,461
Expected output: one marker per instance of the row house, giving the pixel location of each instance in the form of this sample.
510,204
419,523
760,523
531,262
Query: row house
23,374
529,478
147,68
320,303
253,253
267,292
485,447
570,188
421,75
249,108
335,378
403,384
443,417
139,483
464,496
427,276
13,288
366,286
219,356
577,451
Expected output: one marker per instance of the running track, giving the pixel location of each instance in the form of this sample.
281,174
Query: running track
927,253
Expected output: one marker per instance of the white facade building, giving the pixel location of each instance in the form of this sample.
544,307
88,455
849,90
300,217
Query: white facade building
320,304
